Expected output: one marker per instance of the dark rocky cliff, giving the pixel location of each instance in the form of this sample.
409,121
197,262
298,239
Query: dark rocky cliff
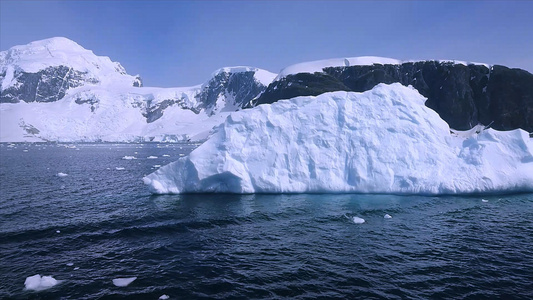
463,96
238,87
47,85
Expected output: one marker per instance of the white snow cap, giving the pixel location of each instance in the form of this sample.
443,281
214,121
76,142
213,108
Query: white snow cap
380,141
319,65
39,283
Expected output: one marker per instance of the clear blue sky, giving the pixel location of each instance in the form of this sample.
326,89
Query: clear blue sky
180,43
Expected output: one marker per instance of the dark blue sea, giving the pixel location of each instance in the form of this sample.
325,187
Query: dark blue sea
99,223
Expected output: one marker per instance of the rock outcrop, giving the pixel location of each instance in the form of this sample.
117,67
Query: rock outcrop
463,95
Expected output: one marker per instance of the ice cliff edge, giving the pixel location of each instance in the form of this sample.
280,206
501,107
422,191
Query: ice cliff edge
380,141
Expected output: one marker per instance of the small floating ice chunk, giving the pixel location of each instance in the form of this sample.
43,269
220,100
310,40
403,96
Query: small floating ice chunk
164,297
166,155
484,200
128,157
38,283
119,168
152,157
24,150
157,166
123,281
387,216
58,231
358,220
70,264
61,174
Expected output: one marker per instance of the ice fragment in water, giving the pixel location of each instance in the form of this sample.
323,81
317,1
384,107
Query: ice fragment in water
387,216
165,155
358,220
58,231
164,297
119,168
123,281
152,157
484,200
38,283
127,157
61,174
70,264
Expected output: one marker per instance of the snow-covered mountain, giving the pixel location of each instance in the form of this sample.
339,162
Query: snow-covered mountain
55,90
43,71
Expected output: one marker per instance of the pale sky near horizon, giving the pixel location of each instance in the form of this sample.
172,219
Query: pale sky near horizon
180,43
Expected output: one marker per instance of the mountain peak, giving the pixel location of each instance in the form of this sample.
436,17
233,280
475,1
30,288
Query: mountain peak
55,43
57,52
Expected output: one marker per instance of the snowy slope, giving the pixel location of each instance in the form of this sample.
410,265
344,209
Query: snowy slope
114,116
381,141
55,90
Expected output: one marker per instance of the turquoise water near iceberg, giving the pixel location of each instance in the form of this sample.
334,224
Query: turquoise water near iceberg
99,223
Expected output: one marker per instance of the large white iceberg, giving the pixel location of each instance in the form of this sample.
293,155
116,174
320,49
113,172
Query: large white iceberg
381,141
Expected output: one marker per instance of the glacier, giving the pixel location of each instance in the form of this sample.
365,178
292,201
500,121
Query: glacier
380,141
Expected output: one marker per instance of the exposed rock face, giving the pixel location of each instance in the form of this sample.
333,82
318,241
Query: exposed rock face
229,89
47,85
463,95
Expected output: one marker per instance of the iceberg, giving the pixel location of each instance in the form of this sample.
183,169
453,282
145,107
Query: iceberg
122,282
380,141
39,283
358,220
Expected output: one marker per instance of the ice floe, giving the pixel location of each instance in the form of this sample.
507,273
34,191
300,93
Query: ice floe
39,283
358,220
123,281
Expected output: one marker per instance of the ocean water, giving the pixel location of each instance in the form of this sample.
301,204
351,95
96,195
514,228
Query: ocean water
99,223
